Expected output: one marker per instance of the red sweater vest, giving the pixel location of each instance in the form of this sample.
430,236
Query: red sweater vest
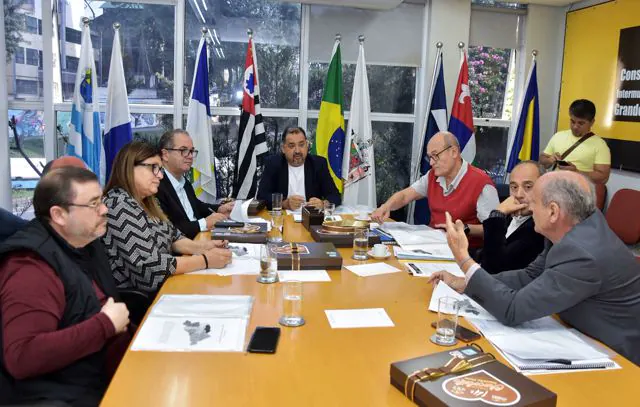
461,203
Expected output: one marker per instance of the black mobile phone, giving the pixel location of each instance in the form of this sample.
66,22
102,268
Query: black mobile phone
563,163
464,334
264,340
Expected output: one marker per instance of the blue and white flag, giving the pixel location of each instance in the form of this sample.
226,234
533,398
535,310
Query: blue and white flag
117,123
84,135
435,121
199,128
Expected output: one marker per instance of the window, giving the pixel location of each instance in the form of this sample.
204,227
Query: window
73,36
19,55
30,132
32,57
489,71
277,42
491,147
72,64
39,59
26,87
394,90
31,24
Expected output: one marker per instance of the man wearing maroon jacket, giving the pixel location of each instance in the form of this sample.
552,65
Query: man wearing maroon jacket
62,333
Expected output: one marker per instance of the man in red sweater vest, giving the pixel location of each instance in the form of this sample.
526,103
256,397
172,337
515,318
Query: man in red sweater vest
62,331
452,185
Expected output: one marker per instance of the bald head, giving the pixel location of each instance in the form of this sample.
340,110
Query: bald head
443,139
571,191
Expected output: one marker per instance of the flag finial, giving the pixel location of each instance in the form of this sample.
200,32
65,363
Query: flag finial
338,37
361,39
250,32
439,44
534,53
116,26
204,30
85,20
461,45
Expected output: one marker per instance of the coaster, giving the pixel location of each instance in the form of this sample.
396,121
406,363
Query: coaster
435,340
282,321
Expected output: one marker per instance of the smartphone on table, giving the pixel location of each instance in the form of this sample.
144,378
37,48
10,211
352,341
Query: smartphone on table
462,333
264,340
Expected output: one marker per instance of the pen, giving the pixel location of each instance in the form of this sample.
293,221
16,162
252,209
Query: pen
560,361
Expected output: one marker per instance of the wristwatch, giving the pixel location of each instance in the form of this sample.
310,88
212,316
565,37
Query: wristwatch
467,229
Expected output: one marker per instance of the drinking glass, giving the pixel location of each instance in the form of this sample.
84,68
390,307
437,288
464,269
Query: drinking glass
268,265
277,221
329,208
447,321
291,304
360,244
276,201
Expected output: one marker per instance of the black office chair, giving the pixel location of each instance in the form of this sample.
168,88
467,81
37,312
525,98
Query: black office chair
138,302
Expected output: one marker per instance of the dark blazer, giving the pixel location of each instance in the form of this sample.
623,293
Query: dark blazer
172,207
9,224
589,278
317,179
515,252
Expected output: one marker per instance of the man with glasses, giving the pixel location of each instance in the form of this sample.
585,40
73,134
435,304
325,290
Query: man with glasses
299,176
176,195
63,333
451,185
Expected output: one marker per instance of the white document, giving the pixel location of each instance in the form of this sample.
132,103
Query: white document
240,211
297,217
468,307
245,260
495,328
424,252
191,333
304,275
178,305
294,213
358,318
371,269
406,234
546,345
427,269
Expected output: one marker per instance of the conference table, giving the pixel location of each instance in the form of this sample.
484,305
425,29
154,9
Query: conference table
316,365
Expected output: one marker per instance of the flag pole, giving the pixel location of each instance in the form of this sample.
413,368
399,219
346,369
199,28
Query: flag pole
516,119
416,169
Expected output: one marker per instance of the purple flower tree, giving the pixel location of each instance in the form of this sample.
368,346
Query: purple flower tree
488,72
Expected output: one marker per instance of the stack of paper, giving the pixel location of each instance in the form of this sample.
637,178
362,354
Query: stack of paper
179,323
406,234
427,269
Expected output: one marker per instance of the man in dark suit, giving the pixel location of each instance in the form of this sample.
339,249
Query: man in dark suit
298,176
175,193
585,273
510,241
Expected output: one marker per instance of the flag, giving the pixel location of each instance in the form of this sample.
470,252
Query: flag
358,164
55,62
252,142
435,121
525,142
330,130
199,127
84,133
461,122
117,123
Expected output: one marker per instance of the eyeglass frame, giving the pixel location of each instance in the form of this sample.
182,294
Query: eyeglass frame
184,152
436,156
95,206
150,166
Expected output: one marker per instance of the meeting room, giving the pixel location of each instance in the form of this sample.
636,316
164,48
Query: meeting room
320,203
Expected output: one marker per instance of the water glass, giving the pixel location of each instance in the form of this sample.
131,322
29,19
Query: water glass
268,265
360,244
291,304
276,201
277,222
447,321
329,209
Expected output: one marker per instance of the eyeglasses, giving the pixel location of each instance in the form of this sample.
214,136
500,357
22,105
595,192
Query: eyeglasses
436,156
185,152
155,168
94,205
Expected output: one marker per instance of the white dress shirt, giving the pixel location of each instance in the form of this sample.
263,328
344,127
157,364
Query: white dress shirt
516,222
178,186
487,201
296,181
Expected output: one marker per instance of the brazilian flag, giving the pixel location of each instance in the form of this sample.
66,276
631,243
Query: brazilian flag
330,131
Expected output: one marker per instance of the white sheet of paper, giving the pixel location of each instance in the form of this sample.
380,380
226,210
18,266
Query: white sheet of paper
359,318
178,305
240,211
495,328
304,275
191,333
372,269
546,345
248,263
296,212
424,252
427,269
297,217
406,234
469,308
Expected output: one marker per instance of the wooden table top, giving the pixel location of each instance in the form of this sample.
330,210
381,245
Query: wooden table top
316,365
